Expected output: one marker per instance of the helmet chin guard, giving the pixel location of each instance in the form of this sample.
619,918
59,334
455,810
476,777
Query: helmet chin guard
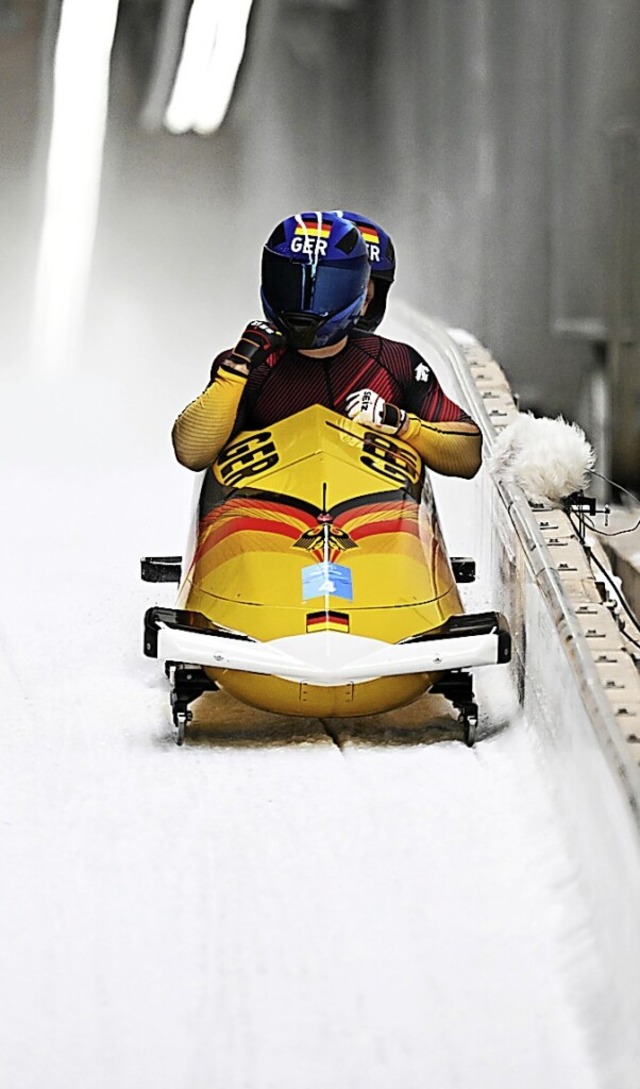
301,329
315,272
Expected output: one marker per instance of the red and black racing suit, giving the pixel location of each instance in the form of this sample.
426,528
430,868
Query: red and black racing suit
287,382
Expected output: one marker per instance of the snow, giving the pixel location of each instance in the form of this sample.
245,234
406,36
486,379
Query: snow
241,912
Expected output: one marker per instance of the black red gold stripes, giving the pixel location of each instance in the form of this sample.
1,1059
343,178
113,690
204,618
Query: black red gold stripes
327,620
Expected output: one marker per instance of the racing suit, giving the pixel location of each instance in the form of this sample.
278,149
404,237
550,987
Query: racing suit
287,382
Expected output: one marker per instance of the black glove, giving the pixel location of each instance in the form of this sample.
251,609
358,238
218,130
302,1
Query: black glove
257,342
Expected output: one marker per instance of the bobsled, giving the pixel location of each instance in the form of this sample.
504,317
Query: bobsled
317,581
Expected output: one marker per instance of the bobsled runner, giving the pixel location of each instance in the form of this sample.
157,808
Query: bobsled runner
317,581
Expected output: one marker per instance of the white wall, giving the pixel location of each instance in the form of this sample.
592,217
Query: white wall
590,776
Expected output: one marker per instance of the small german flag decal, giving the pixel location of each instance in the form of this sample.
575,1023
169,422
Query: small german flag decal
313,228
369,234
327,621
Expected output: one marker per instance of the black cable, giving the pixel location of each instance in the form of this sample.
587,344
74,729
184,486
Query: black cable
617,532
580,521
614,485
627,636
620,597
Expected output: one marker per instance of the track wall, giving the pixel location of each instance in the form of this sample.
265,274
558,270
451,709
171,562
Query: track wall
582,721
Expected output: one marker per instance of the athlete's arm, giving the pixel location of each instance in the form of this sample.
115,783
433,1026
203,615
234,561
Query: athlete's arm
447,439
451,444
205,425
453,448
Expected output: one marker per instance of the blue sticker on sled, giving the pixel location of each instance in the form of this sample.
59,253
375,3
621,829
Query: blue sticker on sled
327,578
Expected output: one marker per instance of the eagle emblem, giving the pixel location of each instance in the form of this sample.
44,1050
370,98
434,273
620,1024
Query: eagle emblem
314,539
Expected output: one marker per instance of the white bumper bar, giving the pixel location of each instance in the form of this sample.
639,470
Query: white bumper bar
331,658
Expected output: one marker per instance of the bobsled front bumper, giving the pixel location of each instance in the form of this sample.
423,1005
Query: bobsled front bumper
327,658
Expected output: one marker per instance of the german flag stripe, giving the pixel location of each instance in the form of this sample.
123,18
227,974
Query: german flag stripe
398,499
256,525
312,230
327,621
370,235
272,519
371,529
246,525
384,518
274,500
363,509
242,508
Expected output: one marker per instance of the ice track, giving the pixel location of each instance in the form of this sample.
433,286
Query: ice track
240,915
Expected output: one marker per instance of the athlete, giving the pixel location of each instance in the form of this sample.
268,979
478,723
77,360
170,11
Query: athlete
382,258
315,276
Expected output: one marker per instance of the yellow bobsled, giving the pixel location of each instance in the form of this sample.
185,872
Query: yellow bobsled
318,582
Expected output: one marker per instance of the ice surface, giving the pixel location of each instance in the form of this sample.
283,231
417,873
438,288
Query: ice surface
269,916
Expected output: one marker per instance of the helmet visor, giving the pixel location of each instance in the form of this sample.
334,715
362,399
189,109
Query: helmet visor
338,286
319,289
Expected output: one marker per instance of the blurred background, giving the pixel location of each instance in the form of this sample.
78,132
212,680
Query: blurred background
497,141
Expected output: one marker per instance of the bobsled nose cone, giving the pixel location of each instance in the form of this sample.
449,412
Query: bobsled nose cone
330,648
327,656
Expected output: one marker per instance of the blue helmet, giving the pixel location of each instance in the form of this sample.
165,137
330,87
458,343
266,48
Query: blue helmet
315,272
382,259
